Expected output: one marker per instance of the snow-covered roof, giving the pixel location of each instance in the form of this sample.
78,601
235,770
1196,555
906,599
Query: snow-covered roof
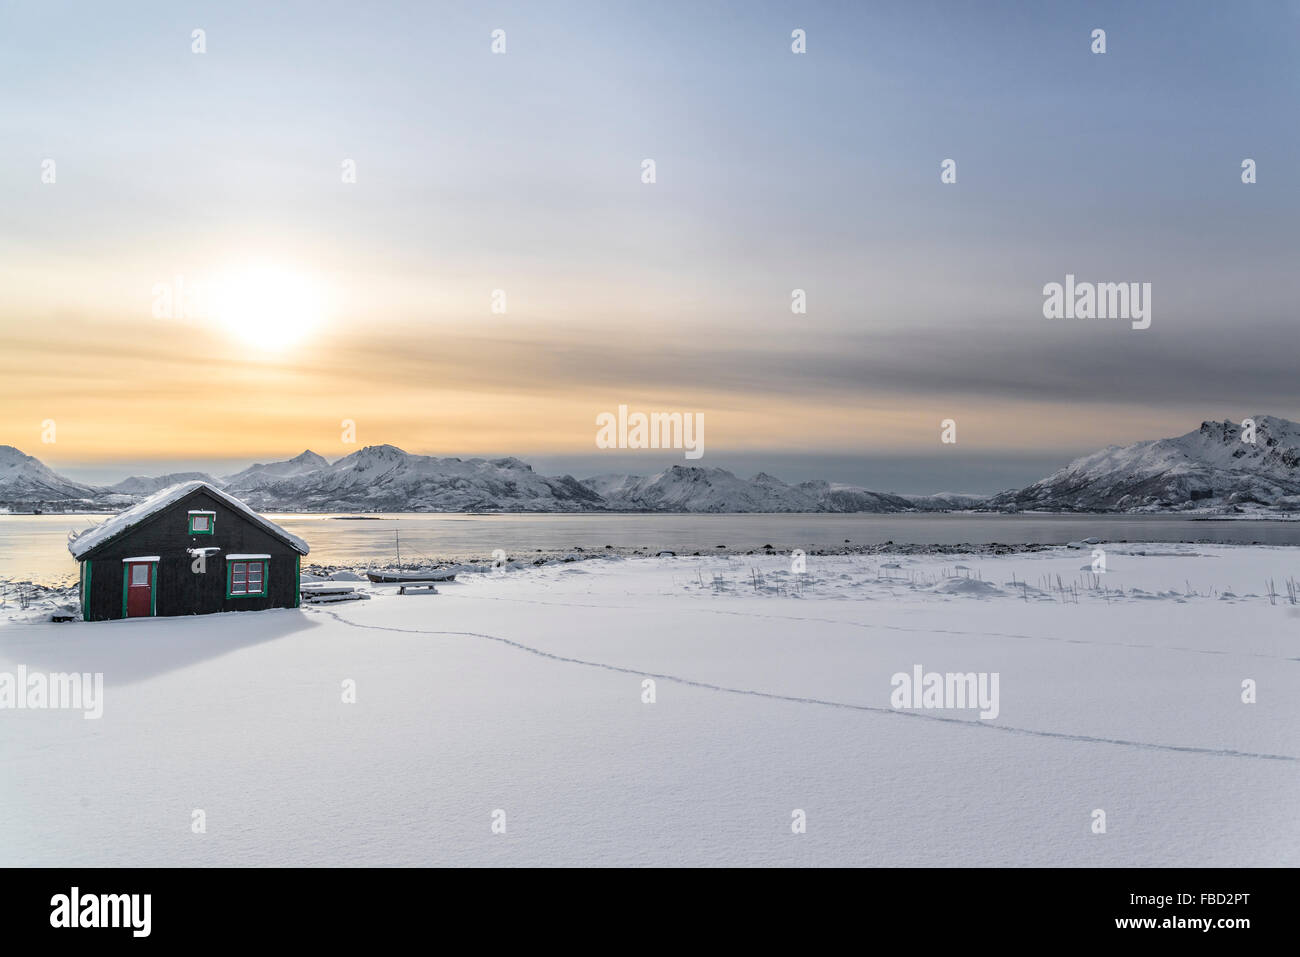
96,536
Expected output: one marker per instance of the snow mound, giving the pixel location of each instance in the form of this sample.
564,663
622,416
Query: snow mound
966,586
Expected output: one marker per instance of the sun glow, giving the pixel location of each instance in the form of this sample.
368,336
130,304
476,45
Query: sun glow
269,308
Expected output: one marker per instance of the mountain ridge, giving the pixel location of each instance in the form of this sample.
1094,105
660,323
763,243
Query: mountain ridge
1216,466
1213,466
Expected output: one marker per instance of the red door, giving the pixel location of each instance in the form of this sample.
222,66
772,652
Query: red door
139,589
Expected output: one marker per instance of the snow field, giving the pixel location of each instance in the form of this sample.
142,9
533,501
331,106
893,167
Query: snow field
523,692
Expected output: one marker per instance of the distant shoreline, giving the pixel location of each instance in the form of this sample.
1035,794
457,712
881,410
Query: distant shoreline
521,559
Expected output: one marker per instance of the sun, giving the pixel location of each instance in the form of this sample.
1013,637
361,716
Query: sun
267,307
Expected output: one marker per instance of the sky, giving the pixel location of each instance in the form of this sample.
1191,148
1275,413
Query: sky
300,301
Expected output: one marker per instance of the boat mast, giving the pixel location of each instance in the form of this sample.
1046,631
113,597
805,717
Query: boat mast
399,550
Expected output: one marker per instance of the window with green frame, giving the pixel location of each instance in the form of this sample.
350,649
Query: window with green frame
202,523
246,579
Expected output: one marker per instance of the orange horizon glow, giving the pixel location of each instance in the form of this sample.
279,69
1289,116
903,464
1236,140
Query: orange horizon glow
420,366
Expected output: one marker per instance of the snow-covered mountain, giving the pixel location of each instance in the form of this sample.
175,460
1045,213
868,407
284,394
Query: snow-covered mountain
28,483
147,485
947,501
261,475
684,488
835,497
385,478
1211,467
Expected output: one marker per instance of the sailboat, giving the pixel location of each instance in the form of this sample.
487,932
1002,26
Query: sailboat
399,575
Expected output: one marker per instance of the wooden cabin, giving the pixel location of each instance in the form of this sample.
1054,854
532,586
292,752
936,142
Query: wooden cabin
191,549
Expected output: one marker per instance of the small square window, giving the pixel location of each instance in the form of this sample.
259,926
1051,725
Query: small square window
139,574
202,523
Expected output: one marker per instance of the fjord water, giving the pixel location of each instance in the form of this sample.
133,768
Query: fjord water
34,547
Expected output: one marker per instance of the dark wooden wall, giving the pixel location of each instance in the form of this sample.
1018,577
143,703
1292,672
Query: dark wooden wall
179,590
